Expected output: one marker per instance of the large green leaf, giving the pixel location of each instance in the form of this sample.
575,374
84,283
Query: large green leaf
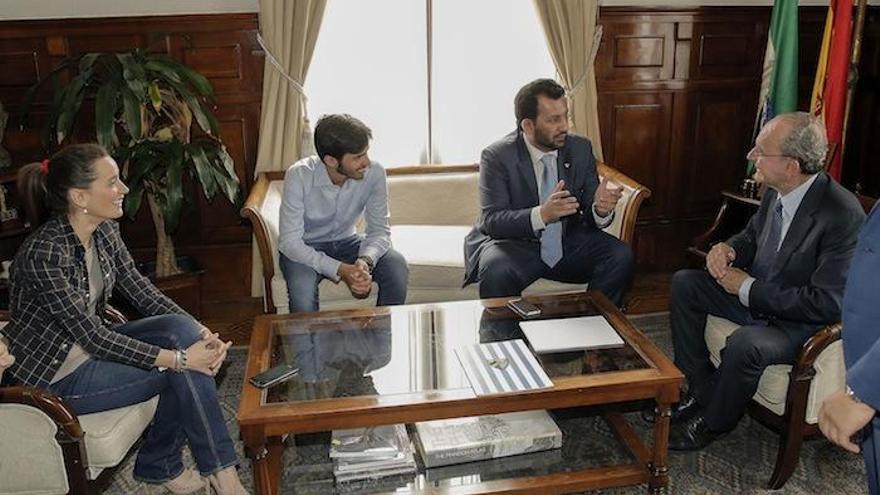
168,73
205,118
70,104
155,95
87,60
174,187
226,177
134,74
204,174
190,76
105,115
131,112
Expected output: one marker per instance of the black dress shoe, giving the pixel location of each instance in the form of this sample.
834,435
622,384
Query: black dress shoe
693,434
685,409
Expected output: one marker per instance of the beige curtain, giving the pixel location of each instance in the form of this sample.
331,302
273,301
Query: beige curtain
573,39
288,30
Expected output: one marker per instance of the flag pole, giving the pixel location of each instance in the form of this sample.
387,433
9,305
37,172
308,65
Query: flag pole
853,78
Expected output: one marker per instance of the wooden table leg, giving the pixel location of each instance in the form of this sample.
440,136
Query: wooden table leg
255,445
659,469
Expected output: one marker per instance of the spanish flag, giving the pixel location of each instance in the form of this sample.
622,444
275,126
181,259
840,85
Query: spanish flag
829,88
779,77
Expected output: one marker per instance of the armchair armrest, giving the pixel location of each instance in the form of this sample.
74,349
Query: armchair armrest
52,405
803,368
631,209
253,212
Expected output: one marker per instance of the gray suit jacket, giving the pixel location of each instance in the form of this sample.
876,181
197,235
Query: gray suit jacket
804,288
508,192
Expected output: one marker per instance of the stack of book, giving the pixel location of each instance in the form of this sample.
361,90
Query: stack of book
452,441
371,453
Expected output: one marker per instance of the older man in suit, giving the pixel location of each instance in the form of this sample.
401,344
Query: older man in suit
781,279
543,207
850,416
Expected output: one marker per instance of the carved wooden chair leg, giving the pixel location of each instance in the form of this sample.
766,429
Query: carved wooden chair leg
790,441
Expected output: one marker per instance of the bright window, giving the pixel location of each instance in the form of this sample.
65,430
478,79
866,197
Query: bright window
371,60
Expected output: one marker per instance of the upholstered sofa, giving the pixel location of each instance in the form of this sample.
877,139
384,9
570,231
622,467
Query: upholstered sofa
46,449
432,210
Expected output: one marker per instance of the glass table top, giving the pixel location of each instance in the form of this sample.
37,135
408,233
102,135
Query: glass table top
405,349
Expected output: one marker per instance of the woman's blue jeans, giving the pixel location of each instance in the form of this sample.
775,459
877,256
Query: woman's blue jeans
188,407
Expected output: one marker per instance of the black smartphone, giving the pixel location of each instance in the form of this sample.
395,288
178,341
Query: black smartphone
273,375
524,308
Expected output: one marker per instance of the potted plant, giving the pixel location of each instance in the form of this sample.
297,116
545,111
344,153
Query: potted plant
145,105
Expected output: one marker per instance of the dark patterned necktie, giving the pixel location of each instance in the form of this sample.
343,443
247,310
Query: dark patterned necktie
766,254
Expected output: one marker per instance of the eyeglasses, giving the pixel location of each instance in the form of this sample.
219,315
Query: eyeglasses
755,154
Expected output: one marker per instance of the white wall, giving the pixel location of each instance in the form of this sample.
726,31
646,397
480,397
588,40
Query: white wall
60,9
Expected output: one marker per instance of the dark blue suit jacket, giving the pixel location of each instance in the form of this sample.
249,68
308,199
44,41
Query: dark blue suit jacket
509,191
804,289
861,332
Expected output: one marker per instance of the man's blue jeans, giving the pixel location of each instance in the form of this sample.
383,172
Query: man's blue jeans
188,406
391,274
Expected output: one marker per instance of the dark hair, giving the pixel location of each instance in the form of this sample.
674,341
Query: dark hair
42,187
526,102
338,134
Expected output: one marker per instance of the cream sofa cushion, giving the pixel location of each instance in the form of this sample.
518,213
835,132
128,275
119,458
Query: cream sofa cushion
773,385
30,459
110,434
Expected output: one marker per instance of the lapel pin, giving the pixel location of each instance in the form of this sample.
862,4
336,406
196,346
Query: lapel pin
566,165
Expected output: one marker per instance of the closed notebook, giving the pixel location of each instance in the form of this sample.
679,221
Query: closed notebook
571,334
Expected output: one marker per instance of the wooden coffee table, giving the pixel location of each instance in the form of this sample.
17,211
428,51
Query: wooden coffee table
369,367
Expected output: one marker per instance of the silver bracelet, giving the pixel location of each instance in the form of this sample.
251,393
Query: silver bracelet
183,363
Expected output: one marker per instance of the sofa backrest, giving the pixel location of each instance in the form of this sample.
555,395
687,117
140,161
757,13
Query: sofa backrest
421,195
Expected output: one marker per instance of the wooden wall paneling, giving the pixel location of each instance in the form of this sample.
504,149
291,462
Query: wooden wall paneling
635,136
727,47
719,125
635,48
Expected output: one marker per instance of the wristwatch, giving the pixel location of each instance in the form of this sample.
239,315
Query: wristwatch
852,395
368,261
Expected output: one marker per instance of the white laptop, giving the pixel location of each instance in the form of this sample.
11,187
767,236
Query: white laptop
571,334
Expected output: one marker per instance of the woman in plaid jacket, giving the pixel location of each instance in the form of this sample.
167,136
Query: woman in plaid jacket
61,279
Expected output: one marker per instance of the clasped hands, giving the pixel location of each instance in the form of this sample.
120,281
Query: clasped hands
718,263
6,359
561,202
207,355
357,277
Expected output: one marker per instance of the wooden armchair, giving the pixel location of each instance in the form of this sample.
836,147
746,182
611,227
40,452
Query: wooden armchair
788,397
54,451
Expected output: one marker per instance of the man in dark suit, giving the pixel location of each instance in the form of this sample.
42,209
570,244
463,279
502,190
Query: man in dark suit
781,279
543,207
844,414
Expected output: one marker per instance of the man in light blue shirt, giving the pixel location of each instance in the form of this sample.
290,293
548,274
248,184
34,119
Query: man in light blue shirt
324,197
781,279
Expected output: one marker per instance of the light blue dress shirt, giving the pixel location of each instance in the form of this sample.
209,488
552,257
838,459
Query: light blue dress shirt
537,222
790,204
315,210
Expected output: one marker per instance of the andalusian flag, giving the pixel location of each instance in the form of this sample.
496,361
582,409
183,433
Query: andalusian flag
779,80
829,88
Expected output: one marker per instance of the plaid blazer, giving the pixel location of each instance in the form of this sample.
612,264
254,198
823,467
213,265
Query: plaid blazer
49,296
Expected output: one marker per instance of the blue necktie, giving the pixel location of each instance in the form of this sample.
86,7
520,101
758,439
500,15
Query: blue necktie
766,254
551,239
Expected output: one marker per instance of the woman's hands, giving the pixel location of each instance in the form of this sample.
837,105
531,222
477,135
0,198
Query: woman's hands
207,355
6,359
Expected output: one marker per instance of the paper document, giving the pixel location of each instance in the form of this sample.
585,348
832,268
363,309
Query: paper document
571,334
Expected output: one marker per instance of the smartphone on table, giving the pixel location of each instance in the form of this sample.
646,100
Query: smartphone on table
273,375
524,308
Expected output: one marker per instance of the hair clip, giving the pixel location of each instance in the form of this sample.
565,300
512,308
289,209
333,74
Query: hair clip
44,166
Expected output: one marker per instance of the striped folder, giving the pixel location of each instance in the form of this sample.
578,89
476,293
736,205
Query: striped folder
502,367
